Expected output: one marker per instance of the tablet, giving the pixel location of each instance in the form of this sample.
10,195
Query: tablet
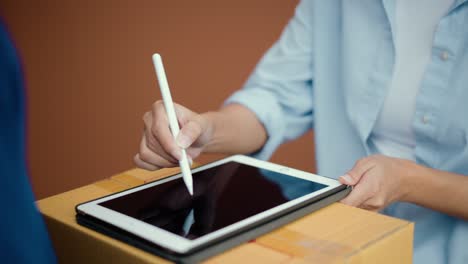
230,196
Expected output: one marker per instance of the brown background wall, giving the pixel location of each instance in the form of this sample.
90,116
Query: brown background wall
90,78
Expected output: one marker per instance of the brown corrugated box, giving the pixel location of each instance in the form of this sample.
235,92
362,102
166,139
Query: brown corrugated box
335,234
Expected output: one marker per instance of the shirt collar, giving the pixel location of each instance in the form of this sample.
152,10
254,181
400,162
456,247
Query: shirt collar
389,6
457,3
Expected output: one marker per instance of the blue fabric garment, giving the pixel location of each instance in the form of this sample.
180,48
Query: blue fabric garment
330,71
23,237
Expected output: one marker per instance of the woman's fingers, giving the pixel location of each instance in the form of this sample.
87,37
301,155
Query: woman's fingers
152,142
144,165
188,134
154,159
355,174
359,194
161,132
159,149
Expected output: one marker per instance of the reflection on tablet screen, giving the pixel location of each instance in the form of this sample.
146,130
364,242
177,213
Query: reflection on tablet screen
223,195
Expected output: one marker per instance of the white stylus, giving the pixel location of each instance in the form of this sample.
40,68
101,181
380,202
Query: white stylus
171,115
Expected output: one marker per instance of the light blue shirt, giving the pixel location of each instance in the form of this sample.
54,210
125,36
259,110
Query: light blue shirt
330,71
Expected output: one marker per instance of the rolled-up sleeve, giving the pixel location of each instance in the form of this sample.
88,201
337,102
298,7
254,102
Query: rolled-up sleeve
280,90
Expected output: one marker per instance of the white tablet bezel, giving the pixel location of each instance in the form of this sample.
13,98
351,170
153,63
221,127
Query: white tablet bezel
182,245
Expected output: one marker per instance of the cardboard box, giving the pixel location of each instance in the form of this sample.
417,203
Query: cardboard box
335,234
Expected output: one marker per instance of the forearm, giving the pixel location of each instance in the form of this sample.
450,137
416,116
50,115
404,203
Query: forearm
236,130
439,190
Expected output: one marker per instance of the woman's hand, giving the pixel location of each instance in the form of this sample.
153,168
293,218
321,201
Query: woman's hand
377,182
158,149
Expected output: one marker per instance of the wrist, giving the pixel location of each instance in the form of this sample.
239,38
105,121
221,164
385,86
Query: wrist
210,129
411,180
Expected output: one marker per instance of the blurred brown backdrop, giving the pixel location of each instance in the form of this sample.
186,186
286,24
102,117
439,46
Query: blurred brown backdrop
90,78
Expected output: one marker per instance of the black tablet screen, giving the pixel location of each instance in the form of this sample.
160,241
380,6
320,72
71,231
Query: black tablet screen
223,195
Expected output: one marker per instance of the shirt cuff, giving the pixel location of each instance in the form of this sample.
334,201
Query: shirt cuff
269,113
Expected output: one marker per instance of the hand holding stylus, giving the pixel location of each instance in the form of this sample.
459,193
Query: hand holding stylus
158,149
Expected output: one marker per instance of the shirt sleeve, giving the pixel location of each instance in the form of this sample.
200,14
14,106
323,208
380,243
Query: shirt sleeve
23,234
279,91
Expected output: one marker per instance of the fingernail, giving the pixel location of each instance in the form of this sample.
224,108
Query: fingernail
190,161
183,141
347,179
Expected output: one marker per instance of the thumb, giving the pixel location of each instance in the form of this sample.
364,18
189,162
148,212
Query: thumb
355,174
189,133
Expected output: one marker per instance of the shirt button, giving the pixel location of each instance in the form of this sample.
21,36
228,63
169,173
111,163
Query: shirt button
425,119
444,55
